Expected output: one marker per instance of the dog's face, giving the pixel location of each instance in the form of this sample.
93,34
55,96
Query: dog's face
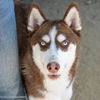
54,43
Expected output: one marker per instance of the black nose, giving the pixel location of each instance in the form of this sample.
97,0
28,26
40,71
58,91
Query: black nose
53,67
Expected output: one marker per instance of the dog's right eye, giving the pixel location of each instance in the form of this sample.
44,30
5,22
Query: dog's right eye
65,43
42,43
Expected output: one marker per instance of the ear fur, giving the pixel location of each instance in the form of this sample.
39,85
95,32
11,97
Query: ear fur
35,18
72,17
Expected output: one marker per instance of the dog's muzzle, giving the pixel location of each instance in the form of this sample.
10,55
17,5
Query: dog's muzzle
53,68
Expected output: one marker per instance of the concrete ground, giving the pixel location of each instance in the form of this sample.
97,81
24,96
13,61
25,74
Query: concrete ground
87,83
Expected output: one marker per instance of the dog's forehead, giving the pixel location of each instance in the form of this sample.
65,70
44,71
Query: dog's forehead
51,26
53,34
55,30
46,38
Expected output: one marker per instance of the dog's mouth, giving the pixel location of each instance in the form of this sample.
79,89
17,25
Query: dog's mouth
53,77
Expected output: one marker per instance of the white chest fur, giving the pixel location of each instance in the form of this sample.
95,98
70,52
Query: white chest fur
66,95
56,89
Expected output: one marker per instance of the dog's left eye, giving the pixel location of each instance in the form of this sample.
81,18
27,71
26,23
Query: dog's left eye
42,43
64,43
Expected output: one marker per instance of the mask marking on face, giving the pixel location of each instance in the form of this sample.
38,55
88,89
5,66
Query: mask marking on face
46,38
61,38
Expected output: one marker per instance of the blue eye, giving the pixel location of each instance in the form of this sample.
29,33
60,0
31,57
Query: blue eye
65,43
42,43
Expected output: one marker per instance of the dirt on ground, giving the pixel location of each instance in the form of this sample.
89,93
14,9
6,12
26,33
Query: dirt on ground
87,83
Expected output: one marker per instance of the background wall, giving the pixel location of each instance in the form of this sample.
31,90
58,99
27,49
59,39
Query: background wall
87,83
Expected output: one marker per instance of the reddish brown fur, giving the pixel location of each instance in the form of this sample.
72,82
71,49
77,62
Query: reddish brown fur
62,28
32,75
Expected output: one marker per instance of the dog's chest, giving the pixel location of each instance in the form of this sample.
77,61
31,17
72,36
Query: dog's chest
59,90
56,88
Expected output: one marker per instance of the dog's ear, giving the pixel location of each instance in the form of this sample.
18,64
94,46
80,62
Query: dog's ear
72,17
35,18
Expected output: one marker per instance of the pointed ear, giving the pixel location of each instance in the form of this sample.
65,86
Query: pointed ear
72,17
35,18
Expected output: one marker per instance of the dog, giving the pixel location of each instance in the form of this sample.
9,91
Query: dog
49,51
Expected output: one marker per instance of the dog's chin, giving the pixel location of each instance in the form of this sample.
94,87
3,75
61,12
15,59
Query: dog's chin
53,76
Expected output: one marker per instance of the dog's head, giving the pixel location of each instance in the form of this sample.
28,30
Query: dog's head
54,44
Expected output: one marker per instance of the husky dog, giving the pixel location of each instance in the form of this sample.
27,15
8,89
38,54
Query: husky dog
49,51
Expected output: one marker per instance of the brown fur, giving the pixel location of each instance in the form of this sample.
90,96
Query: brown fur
32,76
61,27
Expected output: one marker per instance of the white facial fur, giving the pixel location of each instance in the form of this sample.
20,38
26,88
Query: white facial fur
61,38
46,38
52,54
64,58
